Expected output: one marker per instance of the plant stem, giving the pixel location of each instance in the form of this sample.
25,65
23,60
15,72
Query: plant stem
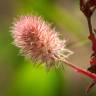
80,70
90,86
89,25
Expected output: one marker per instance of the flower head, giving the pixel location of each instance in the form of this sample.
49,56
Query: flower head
36,39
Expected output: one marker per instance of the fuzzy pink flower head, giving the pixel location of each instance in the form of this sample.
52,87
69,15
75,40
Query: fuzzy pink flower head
36,39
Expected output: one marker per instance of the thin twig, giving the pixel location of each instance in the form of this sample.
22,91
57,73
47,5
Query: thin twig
79,70
90,86
89,25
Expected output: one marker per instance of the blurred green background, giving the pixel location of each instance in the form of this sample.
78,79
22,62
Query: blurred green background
18,77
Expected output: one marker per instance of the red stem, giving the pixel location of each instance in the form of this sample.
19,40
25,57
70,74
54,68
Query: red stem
90,86
80,70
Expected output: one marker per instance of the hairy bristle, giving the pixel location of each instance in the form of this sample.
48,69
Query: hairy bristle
36,39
